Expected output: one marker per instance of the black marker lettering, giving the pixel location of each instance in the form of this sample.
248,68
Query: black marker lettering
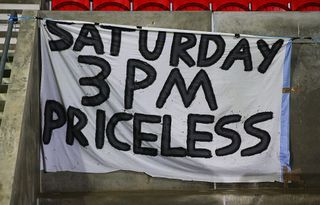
139,136
50,123
203,60
93,39
96,81
258,133
268,54
74,130
193,135
116,33
115,119
100,127
143,45
187,95
66,40
132,84
166,149
179,49
240,52
228,133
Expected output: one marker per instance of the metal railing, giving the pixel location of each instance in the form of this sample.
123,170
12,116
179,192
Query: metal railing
12,20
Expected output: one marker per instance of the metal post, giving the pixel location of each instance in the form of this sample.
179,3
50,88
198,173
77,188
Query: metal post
131,5
91,5
13,18
50,5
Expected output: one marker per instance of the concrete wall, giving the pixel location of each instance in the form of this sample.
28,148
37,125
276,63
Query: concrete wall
305,91
180,198
292,24
19,131
179,20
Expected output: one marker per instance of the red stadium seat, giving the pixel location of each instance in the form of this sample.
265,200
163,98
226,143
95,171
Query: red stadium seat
71,5
230,5
111,5
270,5
305,5
151,5
190,5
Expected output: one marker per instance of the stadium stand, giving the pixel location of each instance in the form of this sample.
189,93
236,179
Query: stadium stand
151,5
190,5
272,5
111,5
305,5
71,5
230,5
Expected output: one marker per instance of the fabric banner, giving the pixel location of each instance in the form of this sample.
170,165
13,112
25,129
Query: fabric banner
177,104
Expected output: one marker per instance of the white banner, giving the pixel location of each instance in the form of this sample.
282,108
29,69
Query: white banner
171,103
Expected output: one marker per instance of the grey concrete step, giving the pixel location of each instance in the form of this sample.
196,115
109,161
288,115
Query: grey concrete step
9,57
4,26
5,10
54,182
11,46
4,16
14,5
177,198
10,53
7,70
3,91
2,104
6,75
3,34
12,40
